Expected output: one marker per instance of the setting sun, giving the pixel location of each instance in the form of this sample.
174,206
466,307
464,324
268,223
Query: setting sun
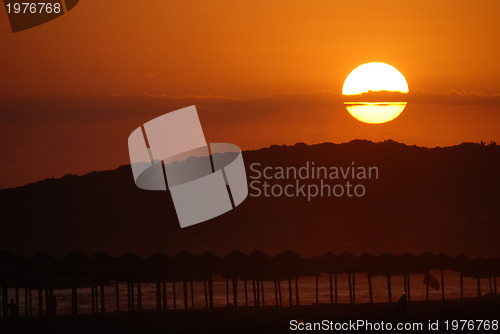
374,77
375,93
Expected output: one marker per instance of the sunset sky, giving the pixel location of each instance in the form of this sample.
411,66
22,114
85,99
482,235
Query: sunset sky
260,73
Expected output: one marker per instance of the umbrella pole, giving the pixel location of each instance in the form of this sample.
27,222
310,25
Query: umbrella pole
461,286
279,292
427,285
442,284
117,295
276,291
246,292
185,292
262,288
409,289
336,290
290,288
103,304
164,293
353,288
26,302
331,288
350,287
206,293
173,294
389,292
317,289
254,293
192,294
235,291
370,290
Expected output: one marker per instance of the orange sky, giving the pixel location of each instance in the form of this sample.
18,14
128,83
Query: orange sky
277,68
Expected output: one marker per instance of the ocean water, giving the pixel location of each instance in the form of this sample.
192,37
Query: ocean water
307,292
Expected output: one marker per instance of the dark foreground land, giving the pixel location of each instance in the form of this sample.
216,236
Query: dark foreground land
266,319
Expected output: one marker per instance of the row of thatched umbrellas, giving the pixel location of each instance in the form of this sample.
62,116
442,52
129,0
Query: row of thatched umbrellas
74,271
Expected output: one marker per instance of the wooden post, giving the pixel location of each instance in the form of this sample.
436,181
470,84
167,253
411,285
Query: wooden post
92,298
297,290
164,294
279,293
276,292
117,295
139,295
408,293
427,285
26,306
206,292
370,289
103,304
47,302
336,290
290,288
405,284
96,299
354,288
227,289
246,292
235,292
158,294
173,294
389,291
491,286
257,282
350,287
461,286
184,290
495,284
31,303
40,301
17,297
129,299
74,297
254,293
192,293
317,289
331,288
210,291
262,288
442,284
132,294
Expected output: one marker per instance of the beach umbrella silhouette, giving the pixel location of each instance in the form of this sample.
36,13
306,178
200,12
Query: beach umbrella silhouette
261,263
102,266
461,264
160,264
288,264
328,263
9,263
492,265
236,264
367,261
42,266
386,264
184,264
209,263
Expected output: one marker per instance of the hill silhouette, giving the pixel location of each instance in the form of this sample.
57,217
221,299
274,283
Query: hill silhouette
425,200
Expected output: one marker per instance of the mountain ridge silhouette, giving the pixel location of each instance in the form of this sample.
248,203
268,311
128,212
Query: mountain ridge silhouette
426,200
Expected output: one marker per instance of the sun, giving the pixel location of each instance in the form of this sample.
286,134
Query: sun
374,77
375,93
